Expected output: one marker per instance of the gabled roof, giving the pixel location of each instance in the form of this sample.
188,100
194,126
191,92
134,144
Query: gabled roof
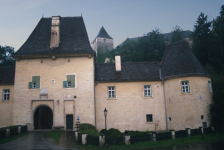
73,38
103,34
178,60
139,71
7,75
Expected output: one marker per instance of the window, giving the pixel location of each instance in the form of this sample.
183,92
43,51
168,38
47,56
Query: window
5,95
35,84
210,86
111,92
147,90
185,87
70,83
149,118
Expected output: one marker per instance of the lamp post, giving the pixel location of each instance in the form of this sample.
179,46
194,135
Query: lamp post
105,114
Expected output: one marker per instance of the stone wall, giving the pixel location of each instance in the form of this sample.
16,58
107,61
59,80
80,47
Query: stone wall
6,106
102,43
186,109
128,110
27,100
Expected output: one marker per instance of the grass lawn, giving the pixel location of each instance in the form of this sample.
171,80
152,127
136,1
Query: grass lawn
165,143
5,140
55,135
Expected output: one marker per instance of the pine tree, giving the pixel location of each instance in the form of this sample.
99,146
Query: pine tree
202,39
177,34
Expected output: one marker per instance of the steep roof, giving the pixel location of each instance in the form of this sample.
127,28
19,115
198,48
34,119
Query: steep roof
103,34
178,60
73,38
140,71
7,75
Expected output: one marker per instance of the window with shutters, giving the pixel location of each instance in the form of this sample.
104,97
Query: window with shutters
35,84
70,83
5,94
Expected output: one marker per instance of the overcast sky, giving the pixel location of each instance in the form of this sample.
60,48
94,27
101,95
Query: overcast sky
120,18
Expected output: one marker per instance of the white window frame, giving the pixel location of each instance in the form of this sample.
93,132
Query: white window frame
6,92
146,118
148,90
110,90
183,87
76,83
210,86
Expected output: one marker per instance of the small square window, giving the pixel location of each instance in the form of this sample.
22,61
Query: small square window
6,94
147,90
149,118
210,86
111,92
185,87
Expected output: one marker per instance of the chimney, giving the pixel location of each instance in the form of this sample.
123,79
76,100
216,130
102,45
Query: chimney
117,62
55,31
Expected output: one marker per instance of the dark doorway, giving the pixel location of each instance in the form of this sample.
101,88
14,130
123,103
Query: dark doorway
69,121
43,118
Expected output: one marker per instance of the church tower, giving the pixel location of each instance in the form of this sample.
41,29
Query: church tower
102,41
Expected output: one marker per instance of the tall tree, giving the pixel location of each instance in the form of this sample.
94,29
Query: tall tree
177,34
202,39
215,66
6,58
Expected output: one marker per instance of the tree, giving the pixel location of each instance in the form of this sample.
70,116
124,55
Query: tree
202,39
146,48
6,58
177,34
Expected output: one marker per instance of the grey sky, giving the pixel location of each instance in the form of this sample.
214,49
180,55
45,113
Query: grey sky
120,18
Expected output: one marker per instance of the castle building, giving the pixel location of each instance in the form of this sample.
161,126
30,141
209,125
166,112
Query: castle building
102,41
56,82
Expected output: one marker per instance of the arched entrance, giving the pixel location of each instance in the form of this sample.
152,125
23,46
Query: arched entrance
43,118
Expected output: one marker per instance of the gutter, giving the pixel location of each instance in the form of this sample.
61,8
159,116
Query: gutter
165,105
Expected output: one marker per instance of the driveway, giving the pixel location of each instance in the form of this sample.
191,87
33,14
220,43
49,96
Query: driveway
34,140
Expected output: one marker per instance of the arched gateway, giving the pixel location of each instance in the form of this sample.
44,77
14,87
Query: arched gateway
43,118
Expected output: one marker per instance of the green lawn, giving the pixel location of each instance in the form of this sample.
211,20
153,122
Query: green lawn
55,135
165,143
5,140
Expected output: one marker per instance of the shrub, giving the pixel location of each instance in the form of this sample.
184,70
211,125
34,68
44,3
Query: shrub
88,128
103,131
114,133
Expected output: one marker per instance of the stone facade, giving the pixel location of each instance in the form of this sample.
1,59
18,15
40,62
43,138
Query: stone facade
103,43
60,100
6,111
186,109
128,110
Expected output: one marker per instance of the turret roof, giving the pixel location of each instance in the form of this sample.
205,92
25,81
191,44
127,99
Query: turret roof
103,34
